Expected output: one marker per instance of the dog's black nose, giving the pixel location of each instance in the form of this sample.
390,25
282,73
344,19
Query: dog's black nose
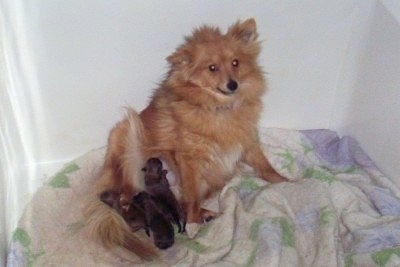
232,85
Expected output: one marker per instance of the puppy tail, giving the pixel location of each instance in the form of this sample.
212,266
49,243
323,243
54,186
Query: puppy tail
106,225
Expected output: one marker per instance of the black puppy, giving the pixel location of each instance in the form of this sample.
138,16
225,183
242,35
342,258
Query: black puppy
155,221
157,186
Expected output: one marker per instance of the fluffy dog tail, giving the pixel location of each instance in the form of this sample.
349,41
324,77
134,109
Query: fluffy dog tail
121,173
111,230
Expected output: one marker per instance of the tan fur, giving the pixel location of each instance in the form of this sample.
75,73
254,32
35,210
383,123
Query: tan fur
194,122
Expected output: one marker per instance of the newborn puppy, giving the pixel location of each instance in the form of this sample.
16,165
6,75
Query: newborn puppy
160,227
132,214
158,187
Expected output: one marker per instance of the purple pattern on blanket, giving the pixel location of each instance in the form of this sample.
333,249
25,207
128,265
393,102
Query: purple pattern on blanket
307,219
16,256
270,237
383,236
342,153
384,200
338,152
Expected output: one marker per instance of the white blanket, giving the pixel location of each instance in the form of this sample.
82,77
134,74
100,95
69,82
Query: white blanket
339,211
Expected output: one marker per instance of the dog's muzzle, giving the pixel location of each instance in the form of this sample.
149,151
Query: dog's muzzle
231,87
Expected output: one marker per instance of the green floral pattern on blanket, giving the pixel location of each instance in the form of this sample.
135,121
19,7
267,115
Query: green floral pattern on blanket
325,216
22,239
320,174
287,232
192,244
289,160
382,257
61,180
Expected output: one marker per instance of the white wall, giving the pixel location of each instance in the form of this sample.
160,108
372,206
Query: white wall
70,66
368,90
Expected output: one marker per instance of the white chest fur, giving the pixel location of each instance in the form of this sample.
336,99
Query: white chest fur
229,159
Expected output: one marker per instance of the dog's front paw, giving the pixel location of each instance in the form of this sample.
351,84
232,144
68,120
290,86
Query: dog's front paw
274,178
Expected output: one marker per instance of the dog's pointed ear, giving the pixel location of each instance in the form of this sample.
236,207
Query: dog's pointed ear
245,31
178,58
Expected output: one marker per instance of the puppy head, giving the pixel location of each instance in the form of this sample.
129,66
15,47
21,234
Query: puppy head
163,232
212,68
153,165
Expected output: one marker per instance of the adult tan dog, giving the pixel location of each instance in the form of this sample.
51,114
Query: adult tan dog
202,121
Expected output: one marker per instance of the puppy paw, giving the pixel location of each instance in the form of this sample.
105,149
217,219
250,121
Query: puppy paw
124,202
192,229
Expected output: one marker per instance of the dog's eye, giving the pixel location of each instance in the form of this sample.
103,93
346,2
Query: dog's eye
212,68
235,63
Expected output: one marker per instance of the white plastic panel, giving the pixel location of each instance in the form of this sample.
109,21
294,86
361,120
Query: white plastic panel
368,92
